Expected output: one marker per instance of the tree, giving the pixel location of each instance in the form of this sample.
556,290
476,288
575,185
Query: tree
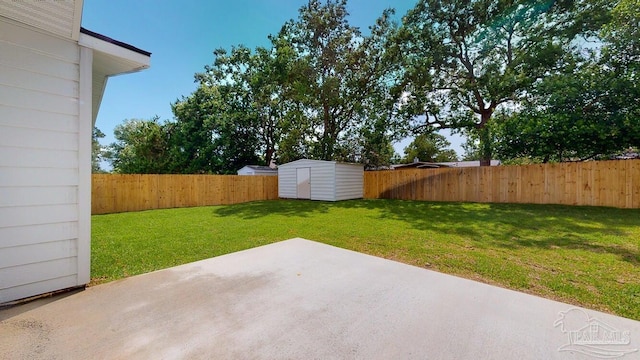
255,87
319,91
97,152
244,110
376,146
471,146
429,147
191,134
295,143
337,71
267,84
621,54
589,110
381,126
463,60
213,132
141,147
572,117
231,116
622,34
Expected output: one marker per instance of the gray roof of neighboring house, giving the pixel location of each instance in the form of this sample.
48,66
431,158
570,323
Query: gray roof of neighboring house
260,168
418,165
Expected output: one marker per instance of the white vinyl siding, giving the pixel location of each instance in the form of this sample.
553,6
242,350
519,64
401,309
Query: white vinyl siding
35,215
323,181
34,234
32,119
351,181
44,282
16,276
31,138
60,17
18,177
35,196
18,157
39,166
37,253
330,180
24,98
287,182
39,82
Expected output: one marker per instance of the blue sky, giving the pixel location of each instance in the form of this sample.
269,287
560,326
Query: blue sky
182,35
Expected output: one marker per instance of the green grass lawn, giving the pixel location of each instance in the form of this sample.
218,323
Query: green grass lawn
588,256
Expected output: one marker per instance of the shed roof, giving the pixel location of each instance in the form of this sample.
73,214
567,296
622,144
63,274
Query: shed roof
296,162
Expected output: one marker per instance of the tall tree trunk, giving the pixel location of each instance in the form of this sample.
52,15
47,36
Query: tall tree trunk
269,155
486,146
485,162
486,151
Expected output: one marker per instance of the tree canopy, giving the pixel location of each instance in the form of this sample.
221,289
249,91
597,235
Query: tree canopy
318,91
522,79
463,60
589,110
429,147
97,152
141,147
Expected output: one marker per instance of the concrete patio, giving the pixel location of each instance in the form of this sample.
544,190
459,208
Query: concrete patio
298,299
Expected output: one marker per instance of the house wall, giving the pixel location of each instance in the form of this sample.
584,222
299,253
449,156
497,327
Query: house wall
39,164
349,181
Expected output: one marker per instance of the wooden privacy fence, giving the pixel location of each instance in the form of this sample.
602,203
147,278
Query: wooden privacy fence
598,183
120,193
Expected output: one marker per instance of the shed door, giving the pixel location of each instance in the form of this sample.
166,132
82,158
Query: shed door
303,181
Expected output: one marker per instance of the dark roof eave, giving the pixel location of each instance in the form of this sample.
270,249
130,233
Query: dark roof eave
115,42
419,165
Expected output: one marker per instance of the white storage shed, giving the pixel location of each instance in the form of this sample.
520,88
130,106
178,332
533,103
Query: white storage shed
320,180
52,78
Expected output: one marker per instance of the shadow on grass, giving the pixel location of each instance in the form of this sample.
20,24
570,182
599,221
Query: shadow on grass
289,208
509,226
515,226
